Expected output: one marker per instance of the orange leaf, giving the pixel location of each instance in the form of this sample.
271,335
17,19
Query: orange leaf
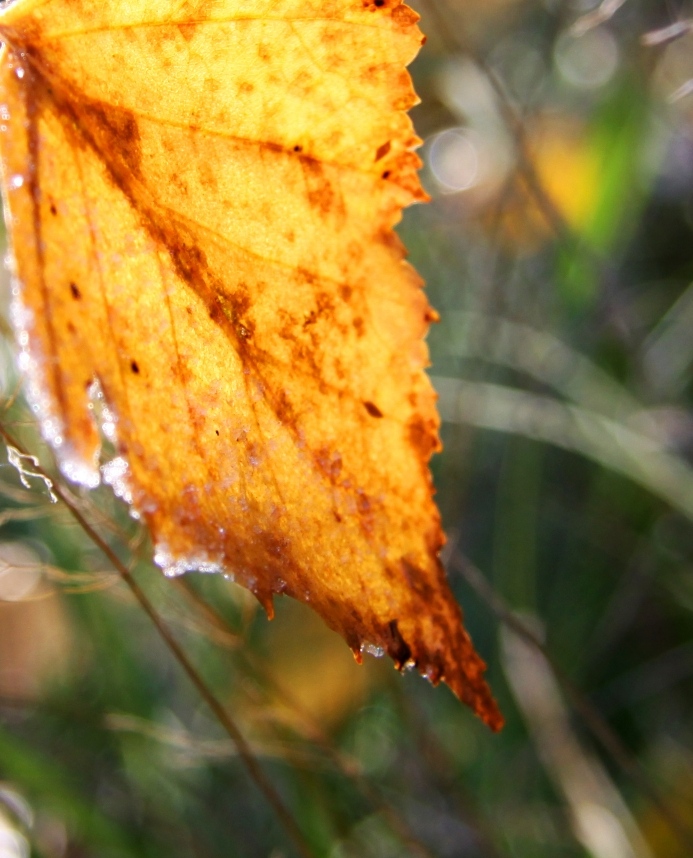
202,195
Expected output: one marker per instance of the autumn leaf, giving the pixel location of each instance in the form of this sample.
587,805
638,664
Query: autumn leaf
202,197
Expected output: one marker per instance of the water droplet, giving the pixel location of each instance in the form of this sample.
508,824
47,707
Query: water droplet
16,182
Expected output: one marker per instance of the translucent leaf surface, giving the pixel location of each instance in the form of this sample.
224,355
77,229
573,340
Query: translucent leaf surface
202,197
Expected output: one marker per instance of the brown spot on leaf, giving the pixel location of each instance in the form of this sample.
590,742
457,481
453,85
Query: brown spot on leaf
190,261
330,463
372,409
187,30
382,151
321,192
284,409
423,436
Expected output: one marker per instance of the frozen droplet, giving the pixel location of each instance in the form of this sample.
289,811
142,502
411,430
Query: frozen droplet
172,567
16,181
372,649
94,391
102,413
78,471
109,430
19,71
31,365
115,475
26,464
114,470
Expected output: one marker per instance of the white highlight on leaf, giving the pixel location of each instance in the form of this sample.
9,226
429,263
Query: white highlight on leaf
18,460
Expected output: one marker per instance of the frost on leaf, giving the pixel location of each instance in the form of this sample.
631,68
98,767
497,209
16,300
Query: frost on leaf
202,197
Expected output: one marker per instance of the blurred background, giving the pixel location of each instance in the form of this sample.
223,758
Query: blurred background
558,249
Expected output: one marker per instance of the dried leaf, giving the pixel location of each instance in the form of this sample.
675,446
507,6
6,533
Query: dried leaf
202,195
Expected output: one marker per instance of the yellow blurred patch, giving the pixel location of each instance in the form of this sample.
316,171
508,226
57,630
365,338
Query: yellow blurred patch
567,176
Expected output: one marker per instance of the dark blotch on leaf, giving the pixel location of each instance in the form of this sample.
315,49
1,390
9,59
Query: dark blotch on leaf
373,409
382,151
134,367
116,134
76,294
398,649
